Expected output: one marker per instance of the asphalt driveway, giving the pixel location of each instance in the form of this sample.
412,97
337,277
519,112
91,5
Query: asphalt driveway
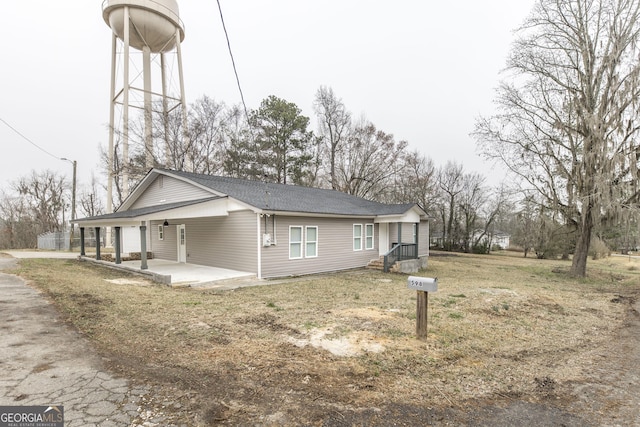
45,362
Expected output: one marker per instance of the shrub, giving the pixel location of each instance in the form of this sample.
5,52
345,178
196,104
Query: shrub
598,248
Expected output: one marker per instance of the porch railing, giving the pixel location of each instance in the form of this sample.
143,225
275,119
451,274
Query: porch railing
400,252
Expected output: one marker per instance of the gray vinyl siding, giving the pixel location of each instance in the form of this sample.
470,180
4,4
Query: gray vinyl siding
166,248
407,233
423,238
224,241
335,247
171,190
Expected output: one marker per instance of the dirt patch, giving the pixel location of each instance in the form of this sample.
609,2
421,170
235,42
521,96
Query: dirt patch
128,281
352,345
509,343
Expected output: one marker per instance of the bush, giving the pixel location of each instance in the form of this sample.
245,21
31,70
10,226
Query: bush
598,249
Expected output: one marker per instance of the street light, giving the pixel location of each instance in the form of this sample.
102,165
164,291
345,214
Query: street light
73,200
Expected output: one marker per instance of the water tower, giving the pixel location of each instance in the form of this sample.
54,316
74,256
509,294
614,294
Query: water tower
154,28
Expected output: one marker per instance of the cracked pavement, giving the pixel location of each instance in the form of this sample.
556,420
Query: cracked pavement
45,362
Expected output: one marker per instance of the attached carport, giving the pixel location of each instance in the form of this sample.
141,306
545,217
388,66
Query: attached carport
141,218
160,270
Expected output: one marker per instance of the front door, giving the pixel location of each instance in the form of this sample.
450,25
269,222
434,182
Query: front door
383,238
182,243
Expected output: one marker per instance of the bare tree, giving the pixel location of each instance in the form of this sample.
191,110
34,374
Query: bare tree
368,162
451,184
136,169
334,123
525,230
90,200
493,211
568,115
207,120
416,181
36,206
470,202
17,226
44,195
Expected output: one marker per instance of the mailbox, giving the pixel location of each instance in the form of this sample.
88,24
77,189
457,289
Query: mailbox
426,284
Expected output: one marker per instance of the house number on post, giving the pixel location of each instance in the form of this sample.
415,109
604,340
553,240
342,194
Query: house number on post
423,285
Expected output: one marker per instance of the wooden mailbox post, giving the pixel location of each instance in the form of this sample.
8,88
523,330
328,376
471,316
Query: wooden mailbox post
423,285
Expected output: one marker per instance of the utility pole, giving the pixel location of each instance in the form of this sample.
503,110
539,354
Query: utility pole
73,201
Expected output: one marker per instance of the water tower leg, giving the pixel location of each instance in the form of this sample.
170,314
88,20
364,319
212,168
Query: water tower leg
112,124
125,108
148,142
188,164
165,113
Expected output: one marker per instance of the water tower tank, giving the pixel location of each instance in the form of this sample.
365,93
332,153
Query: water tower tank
152,23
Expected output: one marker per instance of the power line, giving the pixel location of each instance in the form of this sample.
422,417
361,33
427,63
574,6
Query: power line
233,62
28,140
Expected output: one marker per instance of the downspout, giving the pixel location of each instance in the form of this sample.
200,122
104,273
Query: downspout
259,242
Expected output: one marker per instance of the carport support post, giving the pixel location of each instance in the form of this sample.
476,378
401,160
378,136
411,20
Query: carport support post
143,246
98,257
421,315
82,252
117,246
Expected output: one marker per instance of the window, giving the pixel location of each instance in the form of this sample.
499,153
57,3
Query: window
295,242
415,233
357,237
311,247
368,242
160,232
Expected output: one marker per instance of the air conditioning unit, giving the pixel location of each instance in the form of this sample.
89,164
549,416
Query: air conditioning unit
266,240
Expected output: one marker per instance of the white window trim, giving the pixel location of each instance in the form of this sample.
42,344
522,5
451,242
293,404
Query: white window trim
373,235
354,237
160,232
301,242
306,241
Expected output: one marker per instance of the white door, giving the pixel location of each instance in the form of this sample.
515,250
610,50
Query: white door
383,238
182,243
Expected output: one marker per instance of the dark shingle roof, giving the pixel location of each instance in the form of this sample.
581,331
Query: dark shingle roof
292,198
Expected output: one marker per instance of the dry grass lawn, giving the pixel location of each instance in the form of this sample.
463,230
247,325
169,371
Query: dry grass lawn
499,325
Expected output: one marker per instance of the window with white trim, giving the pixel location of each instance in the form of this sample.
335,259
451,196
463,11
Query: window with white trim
311,242
368,238
415,233
295,242
357,237
160,232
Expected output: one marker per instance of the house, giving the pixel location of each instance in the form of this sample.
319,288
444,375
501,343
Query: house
270,230
495,239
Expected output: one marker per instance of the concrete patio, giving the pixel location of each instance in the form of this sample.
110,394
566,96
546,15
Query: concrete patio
163,271
182,274
178,274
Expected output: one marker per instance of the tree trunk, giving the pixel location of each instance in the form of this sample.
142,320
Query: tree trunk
579,262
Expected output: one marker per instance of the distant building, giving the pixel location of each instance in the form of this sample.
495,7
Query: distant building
497,239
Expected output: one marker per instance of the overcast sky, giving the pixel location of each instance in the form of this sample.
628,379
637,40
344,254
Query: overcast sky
422,71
